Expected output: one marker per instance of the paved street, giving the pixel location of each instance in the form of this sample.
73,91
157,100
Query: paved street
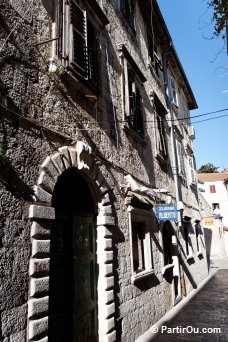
207,309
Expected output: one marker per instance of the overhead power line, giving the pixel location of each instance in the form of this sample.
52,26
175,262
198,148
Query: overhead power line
197,116
215,117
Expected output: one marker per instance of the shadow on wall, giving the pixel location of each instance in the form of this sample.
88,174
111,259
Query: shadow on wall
13,183
208,239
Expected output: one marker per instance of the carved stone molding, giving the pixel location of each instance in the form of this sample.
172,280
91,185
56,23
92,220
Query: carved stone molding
42,214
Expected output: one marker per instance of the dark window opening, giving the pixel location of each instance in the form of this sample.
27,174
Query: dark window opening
127,9
197,238
161,139
84,59
154,59
186,237
138,237
167,245
135,118
215,206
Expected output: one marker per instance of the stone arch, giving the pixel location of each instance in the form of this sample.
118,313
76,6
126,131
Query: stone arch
42,214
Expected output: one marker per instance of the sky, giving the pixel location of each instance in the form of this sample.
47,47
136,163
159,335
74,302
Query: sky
206,67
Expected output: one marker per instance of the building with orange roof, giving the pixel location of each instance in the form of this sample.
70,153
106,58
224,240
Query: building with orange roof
215,191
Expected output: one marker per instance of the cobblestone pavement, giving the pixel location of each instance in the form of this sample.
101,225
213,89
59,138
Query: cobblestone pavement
208,309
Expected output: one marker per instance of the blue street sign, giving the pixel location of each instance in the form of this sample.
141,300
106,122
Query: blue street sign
166,212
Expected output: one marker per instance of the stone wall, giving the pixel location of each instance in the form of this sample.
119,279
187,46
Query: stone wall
46,111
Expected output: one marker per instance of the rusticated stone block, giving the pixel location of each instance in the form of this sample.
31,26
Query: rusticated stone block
39,266
37,306
39,285
37,327
40,247
41,212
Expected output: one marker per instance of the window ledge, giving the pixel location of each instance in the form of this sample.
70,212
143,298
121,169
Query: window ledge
74,81
166,268
140,276
134,135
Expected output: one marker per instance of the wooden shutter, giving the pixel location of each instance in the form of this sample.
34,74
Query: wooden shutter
80,55
161,143
180,156
92,54
138,112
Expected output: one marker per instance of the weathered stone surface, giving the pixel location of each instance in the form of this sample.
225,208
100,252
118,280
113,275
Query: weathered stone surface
39,286
50,168
40,247
41,212
14,320
46,182
40,230
41,195
104,232
37,306
39,266
14,290
105,220
64,152
37,327
73,156
58,161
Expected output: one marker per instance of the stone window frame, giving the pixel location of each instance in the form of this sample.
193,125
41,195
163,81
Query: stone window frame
173,90
126,10
65,30
160,112
42,214
141,216
187,237
164,265
128,63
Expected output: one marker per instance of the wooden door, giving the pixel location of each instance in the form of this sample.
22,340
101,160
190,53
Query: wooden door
73,280
84,280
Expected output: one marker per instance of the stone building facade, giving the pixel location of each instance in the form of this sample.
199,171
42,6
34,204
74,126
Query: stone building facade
95,133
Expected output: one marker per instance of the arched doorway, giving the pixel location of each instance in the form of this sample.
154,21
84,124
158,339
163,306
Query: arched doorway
73,266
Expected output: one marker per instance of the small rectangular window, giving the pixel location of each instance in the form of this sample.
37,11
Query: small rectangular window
140,241
215,206
180,159
188,240
212,189
127,9
173,90
135,118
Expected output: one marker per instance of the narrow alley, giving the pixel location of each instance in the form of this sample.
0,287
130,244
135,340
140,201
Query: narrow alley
205,316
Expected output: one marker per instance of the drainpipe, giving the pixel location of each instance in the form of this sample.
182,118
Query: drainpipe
173,143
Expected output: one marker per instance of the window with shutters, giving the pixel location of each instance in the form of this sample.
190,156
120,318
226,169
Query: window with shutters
160,132
78,24
192,175
180,159
141,244
135,108
154,59
132,103
84,53
212,189
127,8
173,90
